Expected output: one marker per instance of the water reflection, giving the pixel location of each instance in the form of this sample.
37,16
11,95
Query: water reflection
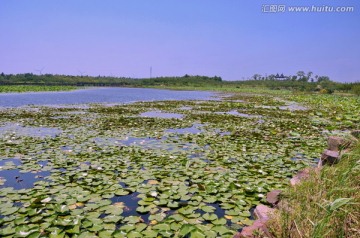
99,95
19,130
18,180
160,114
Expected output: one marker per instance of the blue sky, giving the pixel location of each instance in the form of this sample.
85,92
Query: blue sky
229,38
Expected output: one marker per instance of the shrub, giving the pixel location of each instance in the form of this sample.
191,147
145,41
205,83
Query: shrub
323,91
356,90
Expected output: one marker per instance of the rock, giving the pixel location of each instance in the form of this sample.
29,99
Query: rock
335,143
330,157
263,212
259,226
356,134
273,197
301,175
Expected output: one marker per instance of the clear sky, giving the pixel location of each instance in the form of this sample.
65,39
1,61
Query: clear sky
233,39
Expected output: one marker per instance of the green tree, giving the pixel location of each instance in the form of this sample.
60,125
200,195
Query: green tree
323,79
309,74
301,76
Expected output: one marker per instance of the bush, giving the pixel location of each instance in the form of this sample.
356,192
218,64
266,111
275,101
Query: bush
356,90
323,91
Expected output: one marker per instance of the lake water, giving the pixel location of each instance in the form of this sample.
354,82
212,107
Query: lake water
99,95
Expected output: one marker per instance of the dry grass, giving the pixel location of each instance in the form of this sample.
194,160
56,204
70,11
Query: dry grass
325,205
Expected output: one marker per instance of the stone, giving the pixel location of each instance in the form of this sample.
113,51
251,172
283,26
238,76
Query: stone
259,226
330,157
301,175
273,197
263,212
335,143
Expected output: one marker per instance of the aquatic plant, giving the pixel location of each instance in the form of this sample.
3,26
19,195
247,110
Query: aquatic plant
108,171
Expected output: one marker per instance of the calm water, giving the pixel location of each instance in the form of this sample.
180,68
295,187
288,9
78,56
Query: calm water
99,95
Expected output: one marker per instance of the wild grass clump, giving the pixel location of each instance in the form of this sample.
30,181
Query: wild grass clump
325,205
34,88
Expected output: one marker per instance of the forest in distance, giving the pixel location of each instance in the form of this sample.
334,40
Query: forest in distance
301,81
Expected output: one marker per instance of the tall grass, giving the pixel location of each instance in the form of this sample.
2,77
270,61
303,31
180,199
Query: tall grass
33,88
325,205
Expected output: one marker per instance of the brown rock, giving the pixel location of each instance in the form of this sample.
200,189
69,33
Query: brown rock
301,175
273,197
335,143
330,157
258,226
263,212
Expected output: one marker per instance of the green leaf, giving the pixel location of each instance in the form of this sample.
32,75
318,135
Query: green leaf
143,209
162,227
186,229
9,210
105,234
74,230
116,210
140,227
208,208
337,203
132,219
96,227
173,205
197,234
210,234
150,233
87,235
128,227
245,214
134,234
157,217
221,230
177,217
221,221
112,219
232,212
210,217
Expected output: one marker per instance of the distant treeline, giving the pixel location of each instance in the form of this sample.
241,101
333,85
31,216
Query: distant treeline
301,82
55,79
326,86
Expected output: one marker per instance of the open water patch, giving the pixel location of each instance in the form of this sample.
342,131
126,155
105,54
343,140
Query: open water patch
19,130
194,129
160,114
99,95
20,180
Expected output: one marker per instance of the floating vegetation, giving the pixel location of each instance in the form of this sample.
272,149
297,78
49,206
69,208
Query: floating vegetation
236,113
151,169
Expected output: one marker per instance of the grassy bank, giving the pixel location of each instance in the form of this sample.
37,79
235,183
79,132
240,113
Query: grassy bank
295,84
33,88
326,205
